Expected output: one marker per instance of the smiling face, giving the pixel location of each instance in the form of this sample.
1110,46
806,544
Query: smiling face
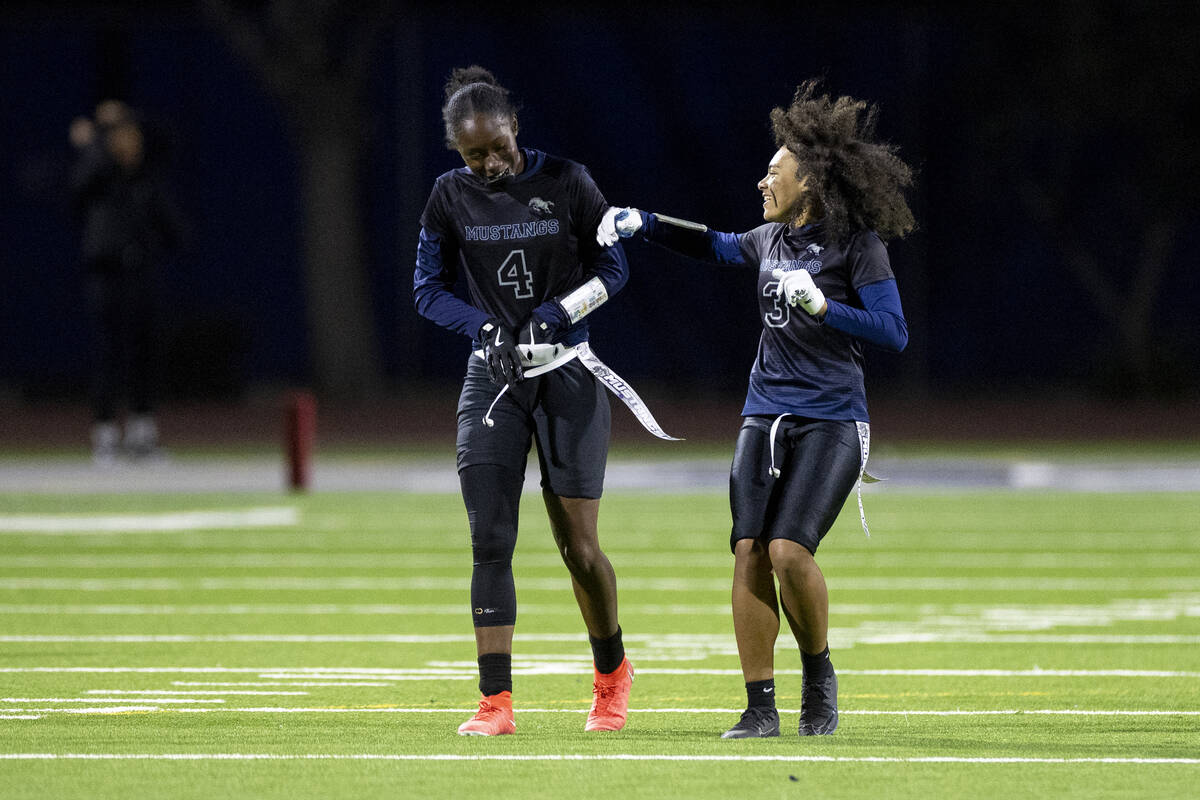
785,197
488,146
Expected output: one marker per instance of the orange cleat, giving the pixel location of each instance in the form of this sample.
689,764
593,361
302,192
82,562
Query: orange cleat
610,699
494,717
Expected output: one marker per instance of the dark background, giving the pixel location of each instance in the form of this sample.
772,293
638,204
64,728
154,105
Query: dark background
1056,198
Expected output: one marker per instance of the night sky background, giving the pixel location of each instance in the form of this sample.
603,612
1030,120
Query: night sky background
1056,199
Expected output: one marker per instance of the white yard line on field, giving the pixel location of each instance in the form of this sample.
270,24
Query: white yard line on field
585,757
280,683
161,692
1009,712
275,517
1017,584
1072,560
319,609
388,673
873,559
838,638
103,700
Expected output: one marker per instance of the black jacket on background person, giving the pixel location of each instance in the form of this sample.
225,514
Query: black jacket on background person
126,219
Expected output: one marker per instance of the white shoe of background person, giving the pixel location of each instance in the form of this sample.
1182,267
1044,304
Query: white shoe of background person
141,437
106,440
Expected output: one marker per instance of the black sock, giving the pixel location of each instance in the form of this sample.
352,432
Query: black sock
495,673
760,694
816,666
608,653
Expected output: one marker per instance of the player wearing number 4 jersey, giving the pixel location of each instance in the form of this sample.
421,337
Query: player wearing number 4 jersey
520,226
825,288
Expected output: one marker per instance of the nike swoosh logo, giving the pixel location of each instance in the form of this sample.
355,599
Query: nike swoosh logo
497,337
767,691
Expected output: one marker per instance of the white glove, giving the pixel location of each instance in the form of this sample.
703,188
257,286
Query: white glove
797,287
618,223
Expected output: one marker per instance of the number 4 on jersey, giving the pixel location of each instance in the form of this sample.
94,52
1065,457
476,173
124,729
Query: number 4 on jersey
513,272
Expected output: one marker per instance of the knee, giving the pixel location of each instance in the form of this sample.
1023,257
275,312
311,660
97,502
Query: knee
495,545
787,556
750,556
580,558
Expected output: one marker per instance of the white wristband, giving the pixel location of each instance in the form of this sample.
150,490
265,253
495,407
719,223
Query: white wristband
583,300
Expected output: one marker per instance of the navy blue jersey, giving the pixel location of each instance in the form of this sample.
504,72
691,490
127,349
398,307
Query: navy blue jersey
520,243
805,366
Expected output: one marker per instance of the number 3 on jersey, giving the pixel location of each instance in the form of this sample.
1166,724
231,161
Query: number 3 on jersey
780,311
513,272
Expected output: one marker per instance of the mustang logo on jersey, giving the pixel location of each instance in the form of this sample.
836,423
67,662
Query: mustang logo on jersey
543,208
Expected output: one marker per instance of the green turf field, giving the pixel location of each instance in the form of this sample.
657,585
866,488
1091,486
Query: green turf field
215,646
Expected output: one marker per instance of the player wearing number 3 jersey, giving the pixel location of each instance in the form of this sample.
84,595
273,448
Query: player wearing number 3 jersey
825,289
520,226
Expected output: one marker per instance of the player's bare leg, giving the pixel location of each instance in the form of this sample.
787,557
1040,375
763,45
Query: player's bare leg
756,627
574,521
806,605
804,594
755,610
494,640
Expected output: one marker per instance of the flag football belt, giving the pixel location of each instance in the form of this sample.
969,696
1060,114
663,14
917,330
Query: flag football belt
538,359
864,451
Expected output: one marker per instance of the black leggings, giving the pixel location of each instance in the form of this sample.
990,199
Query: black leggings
492,495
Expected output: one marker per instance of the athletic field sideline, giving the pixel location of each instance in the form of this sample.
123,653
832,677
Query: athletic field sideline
262,644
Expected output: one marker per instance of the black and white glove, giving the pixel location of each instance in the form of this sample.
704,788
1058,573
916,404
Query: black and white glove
535,330
500,352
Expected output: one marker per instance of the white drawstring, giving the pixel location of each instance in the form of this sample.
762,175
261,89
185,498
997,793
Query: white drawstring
774,427
487,418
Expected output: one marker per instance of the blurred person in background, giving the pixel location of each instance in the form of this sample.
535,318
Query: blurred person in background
831,196
520,225
128,226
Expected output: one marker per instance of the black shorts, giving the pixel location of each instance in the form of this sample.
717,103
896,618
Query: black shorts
564,411
819,463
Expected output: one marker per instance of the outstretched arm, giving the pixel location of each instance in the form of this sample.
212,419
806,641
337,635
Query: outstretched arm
684,237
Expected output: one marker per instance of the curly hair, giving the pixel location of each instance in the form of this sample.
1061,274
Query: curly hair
469,91
854,180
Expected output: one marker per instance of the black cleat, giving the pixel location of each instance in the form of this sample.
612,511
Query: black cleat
818,706
756,723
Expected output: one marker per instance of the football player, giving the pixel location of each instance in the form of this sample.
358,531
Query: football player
520,226
831,196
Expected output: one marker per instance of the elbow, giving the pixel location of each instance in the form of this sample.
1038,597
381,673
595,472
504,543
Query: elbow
614,279
421,300
899,336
